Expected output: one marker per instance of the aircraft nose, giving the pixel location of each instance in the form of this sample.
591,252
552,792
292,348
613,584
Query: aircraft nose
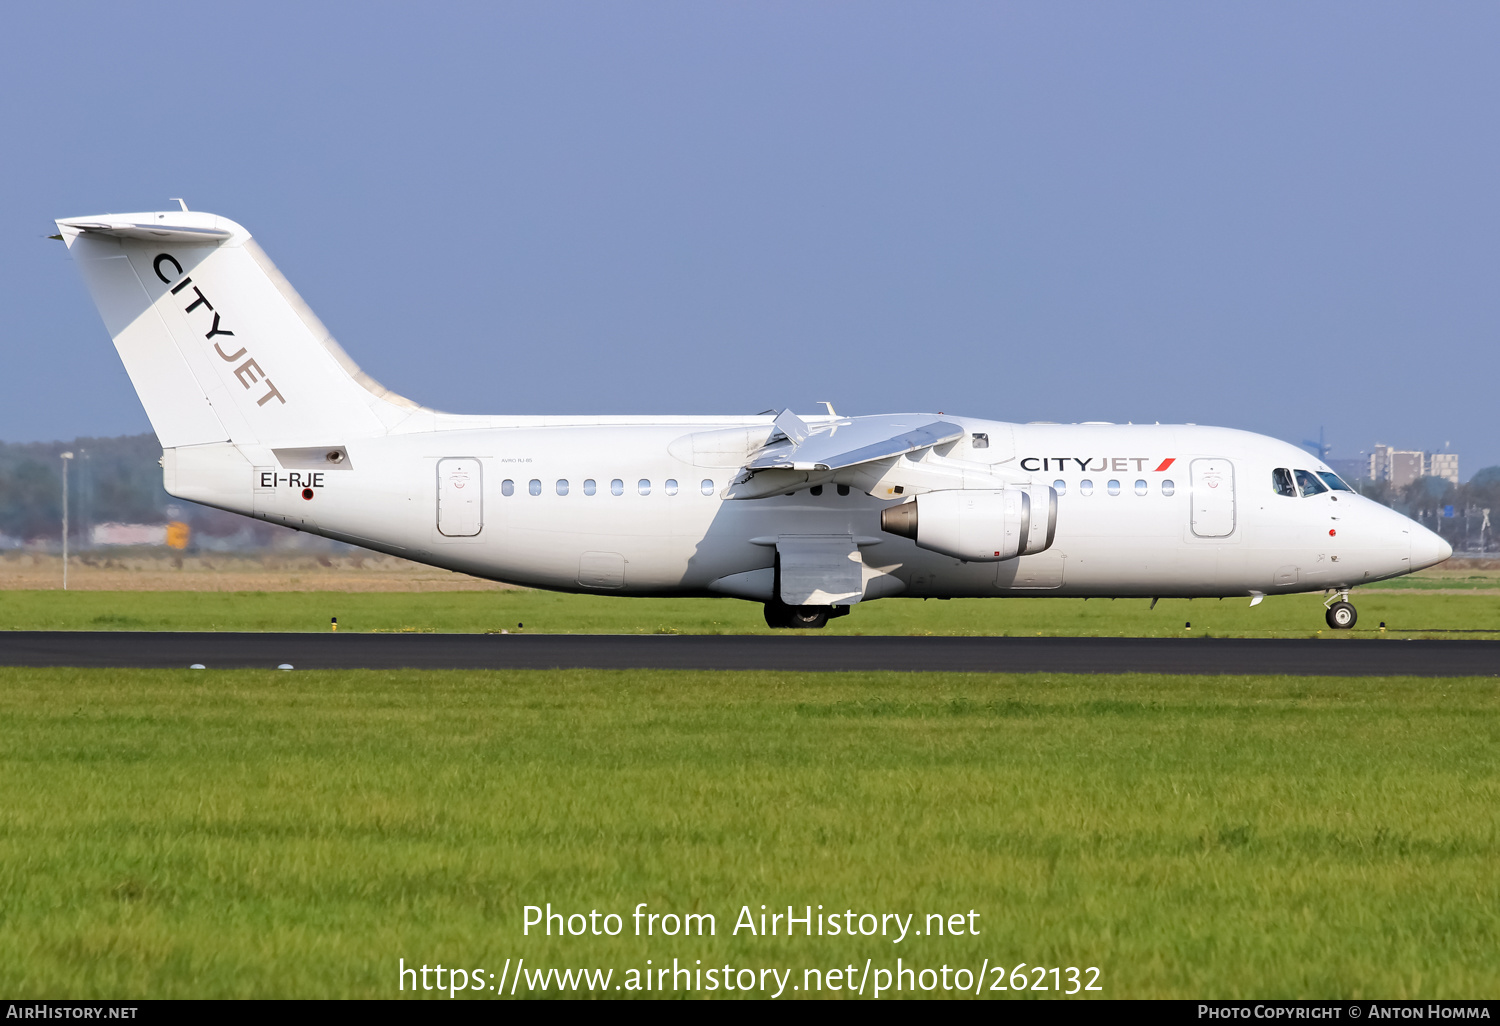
1428,549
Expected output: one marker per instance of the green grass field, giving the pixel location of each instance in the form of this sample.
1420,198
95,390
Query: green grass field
1409,613
244,833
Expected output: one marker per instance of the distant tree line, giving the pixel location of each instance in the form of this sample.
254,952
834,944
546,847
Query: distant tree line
119,479
109,479
1457,512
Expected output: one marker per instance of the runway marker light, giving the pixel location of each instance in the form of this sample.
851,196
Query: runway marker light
333,623
197,666
284,666
1188,625
1382,625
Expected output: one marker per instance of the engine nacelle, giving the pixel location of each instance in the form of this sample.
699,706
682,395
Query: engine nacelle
978,525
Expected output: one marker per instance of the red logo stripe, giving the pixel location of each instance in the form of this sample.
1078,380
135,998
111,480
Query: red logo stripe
1165,464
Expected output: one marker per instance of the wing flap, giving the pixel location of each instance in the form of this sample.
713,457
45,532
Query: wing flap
820,570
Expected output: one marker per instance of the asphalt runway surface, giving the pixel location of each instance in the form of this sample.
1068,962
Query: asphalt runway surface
1385,657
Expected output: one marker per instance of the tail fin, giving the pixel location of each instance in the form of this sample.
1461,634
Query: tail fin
218,345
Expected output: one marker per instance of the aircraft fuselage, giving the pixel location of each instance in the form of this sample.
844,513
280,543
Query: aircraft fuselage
630,507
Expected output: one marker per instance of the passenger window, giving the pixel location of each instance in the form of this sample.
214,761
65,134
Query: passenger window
589,487
643,486
1114,488
507,487
1309,483
1168,487
1334,481
707,487
1140,487
1281,482
534,487
815,490
1061,486
671,486
617,487
980,440
1085,487
562,486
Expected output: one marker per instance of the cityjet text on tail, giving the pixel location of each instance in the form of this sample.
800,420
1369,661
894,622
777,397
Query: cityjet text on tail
260,412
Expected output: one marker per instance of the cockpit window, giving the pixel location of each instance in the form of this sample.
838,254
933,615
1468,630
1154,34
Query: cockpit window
1309,483
1334,481
1281,481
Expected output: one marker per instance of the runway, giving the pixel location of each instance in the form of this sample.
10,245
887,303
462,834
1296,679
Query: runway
794,651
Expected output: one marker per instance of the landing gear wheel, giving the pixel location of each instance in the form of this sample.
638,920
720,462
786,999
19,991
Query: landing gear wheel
804,618
808,618
1341,616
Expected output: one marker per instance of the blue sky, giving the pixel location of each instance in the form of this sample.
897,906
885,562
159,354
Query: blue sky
1272,216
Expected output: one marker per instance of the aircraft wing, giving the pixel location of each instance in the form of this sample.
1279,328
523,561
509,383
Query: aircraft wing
849,441
818,450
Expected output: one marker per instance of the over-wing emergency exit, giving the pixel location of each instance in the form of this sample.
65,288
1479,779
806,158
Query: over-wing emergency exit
260,412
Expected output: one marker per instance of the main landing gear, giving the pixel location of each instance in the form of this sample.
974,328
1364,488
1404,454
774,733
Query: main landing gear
801,618
1341,614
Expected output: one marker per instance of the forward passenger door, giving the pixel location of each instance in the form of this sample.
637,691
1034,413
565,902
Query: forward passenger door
1213,498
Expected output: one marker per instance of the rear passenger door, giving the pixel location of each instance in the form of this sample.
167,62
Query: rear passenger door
460,497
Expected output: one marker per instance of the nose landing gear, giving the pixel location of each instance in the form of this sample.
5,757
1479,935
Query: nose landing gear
1341,614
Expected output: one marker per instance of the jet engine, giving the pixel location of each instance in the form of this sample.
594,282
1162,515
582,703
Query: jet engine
979,525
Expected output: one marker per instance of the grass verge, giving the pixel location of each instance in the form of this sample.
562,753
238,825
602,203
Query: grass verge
1407,614
244,833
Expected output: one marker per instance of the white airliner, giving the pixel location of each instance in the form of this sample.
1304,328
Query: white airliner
260,412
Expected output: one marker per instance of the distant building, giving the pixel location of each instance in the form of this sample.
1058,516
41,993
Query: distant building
129,534
1443,465
1403,466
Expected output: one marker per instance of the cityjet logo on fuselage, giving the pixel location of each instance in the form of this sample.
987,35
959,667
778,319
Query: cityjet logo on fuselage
1095,464
248,372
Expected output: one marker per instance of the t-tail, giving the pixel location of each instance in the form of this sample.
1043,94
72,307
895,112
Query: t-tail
218,344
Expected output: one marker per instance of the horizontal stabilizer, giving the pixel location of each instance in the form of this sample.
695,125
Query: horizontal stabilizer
147,232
